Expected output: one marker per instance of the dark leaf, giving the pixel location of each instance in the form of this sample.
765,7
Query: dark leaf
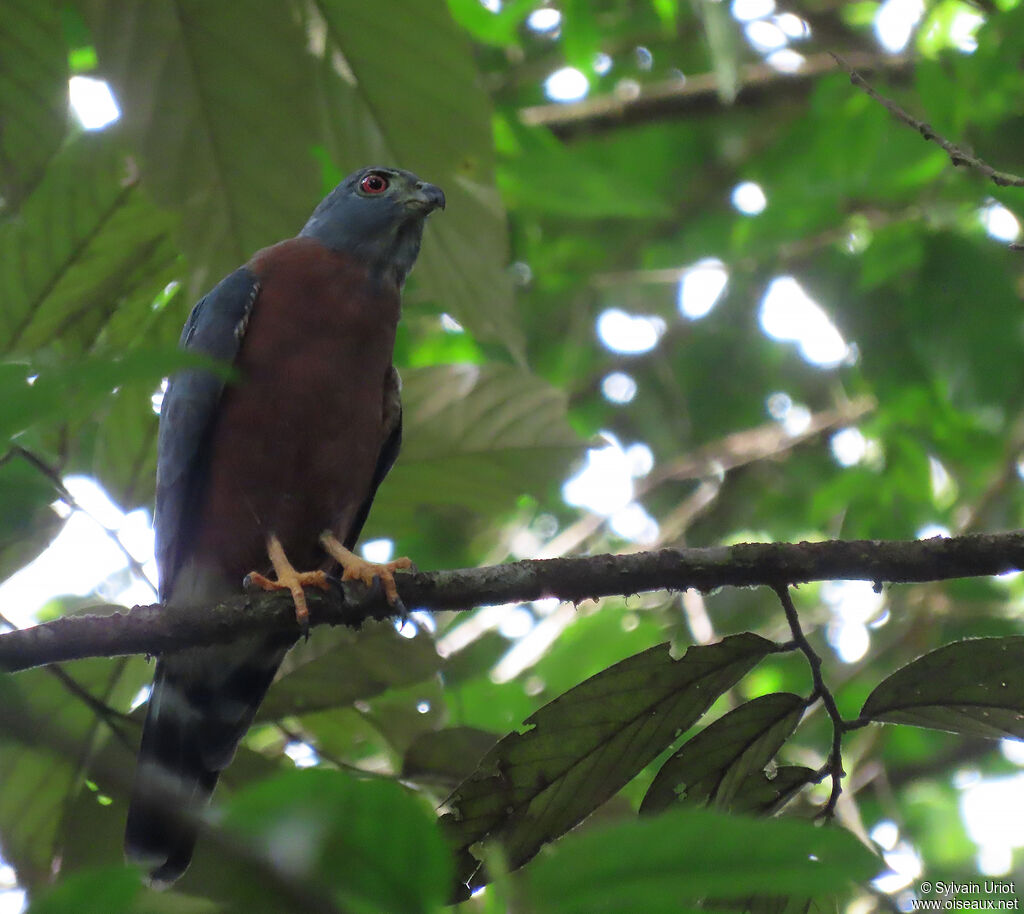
447,756
585,745
714,766
344,666
972,687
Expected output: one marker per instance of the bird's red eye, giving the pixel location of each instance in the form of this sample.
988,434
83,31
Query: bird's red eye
373,184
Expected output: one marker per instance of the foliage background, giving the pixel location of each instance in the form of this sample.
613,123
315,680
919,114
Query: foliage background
237,117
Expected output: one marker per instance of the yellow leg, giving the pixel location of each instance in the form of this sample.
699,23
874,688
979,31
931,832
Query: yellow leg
355,568
289,579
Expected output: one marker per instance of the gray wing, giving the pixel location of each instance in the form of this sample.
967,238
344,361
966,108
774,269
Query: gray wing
388,452
215,328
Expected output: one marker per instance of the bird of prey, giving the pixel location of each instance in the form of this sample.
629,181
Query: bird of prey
269,473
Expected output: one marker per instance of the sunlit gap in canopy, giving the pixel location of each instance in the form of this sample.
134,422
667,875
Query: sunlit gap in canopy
963,29
83,558
895,21
795,418
604,485
566,85
12,899
92,102
902,858
999,222
788,313
629,333
992,810
855,608
619,388
747,10
701,287
749,198
544,20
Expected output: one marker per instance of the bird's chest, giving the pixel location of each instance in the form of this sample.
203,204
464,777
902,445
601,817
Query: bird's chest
300,432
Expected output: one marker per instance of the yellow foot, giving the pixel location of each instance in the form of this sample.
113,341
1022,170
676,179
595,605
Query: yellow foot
355,568
289,579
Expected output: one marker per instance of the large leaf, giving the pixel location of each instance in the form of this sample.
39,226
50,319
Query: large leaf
33,93
410,94
475,438
972,687
714,765
581,748
668,863
111,890
335,668
27,522
217,97
371,844
85,240
49,741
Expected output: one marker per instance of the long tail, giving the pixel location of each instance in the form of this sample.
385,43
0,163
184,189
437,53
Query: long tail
203,701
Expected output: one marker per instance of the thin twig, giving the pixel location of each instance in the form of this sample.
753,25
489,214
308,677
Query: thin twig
957,155
834,766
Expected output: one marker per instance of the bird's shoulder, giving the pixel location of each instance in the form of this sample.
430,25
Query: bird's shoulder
305,257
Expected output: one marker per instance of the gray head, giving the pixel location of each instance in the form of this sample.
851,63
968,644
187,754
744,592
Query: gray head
377,215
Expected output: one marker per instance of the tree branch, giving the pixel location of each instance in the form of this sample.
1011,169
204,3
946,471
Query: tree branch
155,629
695,94
957,155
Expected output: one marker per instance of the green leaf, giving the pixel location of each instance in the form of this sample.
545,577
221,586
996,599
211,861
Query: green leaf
27,522
85,240
669,862
33,94
345,666
476,438
714,766
761,795
581,748
50,741
60,392
373,845
107,890
446,756
971,687
221,115
395,95
499,28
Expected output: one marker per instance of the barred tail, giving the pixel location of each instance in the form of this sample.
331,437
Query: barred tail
203,701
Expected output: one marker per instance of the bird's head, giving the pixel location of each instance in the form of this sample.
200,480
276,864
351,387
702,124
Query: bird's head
377,215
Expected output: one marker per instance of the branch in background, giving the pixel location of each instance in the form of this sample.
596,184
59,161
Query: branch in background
694,94
154,629
957,155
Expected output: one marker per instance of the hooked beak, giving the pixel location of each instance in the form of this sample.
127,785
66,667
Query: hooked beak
425,198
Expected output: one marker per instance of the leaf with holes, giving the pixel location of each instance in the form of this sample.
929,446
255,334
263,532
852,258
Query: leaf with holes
581,748
972,687
713,767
